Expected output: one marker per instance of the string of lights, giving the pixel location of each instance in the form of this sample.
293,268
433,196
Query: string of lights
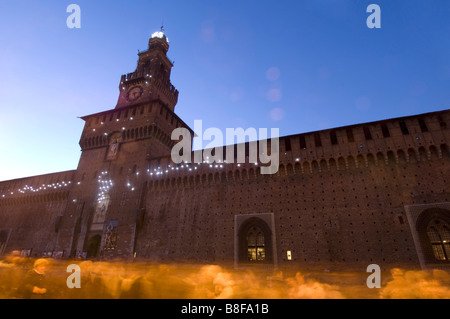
105,182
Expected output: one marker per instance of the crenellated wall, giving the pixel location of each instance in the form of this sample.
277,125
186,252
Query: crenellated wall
30,212
340,198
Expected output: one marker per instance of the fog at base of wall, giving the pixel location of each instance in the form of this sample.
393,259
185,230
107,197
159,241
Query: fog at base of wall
120,280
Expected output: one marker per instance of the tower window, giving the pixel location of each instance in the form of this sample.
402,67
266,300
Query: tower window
255,245
404,128
385,130
439,236
367,133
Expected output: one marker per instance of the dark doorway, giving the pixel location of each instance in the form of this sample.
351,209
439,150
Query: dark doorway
93,247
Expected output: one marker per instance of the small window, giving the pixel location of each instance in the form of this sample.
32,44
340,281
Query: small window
302,142
350,136
385,130
404,128
442,123
287,144
367,133
317,140
423,125
333,138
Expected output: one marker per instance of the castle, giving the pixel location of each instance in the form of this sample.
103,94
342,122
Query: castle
344,197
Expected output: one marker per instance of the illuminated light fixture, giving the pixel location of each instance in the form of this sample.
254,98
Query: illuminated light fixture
123,128
117,120
160,35
289,255
297,159
131,118
93,130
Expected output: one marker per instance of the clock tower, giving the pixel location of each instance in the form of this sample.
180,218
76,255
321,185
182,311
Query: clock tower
151,79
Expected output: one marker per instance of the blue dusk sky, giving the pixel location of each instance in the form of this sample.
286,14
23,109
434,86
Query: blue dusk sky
299,66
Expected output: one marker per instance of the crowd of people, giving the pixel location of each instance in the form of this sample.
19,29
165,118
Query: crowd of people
46,278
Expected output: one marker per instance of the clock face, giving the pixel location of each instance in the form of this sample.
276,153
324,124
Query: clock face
134,93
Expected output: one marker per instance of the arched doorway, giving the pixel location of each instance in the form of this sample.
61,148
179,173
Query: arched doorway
433,228
255,242
93,246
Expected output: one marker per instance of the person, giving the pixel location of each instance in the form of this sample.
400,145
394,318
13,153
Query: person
34,285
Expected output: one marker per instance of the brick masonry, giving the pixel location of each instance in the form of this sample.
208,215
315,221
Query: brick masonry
342,198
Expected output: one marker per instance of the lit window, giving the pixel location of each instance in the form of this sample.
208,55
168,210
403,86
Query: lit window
289,255
255,244
439,236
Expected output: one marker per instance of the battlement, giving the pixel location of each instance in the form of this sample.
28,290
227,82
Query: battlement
41,187
400,141
146,120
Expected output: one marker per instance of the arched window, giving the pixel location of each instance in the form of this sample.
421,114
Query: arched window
254,241
256,250
438,232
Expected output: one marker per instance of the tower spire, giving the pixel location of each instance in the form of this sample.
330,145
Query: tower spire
151,78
